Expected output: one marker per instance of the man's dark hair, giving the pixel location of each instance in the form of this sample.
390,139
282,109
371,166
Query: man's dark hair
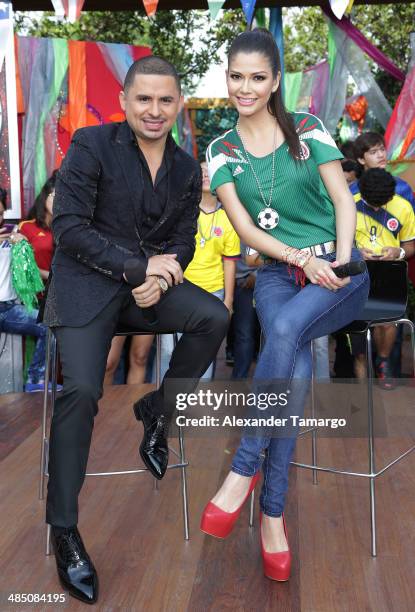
3,197
366,141
152,64
377,186
349,165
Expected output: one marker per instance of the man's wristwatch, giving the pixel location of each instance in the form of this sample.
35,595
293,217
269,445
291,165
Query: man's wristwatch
402,253
163,284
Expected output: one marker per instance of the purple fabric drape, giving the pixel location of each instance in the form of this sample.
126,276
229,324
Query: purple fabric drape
384,62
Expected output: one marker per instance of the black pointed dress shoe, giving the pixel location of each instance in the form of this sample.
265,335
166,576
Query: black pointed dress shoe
75,569
154,450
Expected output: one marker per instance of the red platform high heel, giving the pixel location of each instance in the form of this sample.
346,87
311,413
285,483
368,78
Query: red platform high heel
217,522
277,566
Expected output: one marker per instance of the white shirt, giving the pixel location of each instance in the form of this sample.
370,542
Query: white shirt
7,291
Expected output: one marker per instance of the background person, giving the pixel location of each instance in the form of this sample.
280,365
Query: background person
137,358
385,230
370,152
15,318
37,227
246,330
214,262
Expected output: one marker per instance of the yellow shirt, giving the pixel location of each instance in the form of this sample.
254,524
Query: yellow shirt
388,226
215,239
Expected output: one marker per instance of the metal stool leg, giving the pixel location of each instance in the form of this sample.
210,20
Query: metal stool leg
313,413
251,509
412,330
158,382
158,360
372,491
184,486
48,547
44,441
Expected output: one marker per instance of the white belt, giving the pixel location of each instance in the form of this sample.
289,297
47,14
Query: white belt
321,249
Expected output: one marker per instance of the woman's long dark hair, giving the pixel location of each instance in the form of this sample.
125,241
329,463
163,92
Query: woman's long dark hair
38,210
261,41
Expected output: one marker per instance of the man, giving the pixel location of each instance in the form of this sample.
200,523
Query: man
385,230
370,152
125,191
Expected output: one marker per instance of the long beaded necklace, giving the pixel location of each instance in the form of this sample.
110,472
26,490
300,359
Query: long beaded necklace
204,239
373,234
268,217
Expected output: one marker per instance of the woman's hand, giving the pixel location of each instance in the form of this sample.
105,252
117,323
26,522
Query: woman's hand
320,272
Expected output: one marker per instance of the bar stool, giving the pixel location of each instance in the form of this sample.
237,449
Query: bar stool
386,304
51,375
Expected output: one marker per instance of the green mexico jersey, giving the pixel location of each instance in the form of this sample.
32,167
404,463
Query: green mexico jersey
305,210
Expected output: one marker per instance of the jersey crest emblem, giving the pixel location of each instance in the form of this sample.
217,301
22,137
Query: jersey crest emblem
392,224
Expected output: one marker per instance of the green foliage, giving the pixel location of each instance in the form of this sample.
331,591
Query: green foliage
187,38
211,123
305,38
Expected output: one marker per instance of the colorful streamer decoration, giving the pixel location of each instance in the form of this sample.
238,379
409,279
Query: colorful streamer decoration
69,8
400,133
321,90
362,42
276,29
150,7
61,83
340,7
73,9
248,7
214,7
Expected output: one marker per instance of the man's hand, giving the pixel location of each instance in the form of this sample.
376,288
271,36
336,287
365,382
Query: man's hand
320,272
167,267
148,293
390,253
368,254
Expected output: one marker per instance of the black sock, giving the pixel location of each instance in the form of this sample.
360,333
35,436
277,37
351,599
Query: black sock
57,531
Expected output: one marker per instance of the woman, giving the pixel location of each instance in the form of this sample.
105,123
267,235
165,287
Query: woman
37,228
281,183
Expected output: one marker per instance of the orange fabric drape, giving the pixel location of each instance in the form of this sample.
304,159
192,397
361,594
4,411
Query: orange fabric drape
77,91
19,90
409,138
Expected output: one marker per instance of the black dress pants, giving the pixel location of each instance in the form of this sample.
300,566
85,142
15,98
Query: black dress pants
201,317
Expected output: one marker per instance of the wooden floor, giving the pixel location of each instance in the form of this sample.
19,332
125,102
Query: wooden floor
134,533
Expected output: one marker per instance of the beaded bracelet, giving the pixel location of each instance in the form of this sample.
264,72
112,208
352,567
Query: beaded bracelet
295,257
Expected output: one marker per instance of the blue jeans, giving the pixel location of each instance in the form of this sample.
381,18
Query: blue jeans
245,323
321,358
290,317
16,319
